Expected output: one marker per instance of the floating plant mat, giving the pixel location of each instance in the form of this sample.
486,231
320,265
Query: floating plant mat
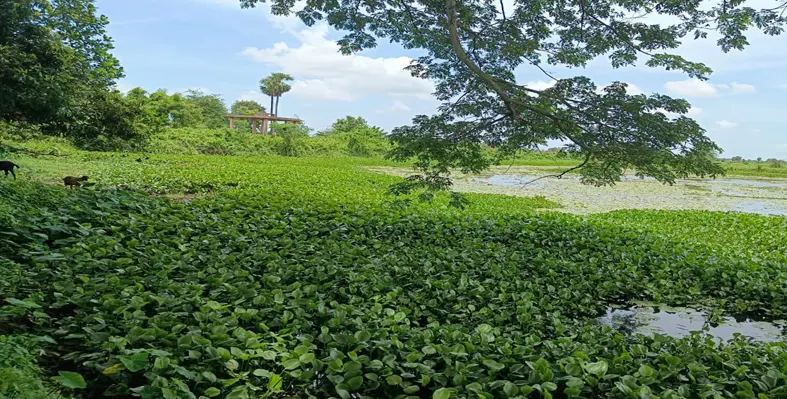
767,197
680,322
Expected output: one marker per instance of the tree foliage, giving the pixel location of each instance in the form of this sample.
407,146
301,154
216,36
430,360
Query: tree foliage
211,106
56,69
194,109
349,124
474,46
246,107
33,63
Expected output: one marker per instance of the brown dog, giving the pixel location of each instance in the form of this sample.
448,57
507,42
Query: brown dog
71,181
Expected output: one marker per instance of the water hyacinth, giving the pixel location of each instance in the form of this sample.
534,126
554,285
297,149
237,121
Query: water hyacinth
313,283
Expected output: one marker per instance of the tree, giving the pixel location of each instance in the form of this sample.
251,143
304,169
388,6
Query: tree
176,109
51,53
108,120
246,107
267,88
54,60
32,65
346,124
280,87
473,47
274,86
211,106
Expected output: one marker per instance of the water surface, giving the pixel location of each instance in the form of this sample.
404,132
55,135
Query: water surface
680,322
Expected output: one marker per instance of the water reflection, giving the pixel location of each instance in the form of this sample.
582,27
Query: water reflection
680,322
514,181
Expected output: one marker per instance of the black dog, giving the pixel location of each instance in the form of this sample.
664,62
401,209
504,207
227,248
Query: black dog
8,166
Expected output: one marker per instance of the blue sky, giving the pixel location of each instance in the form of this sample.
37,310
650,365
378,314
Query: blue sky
218,47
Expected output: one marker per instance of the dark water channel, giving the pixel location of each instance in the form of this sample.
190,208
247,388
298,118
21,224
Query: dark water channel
680,322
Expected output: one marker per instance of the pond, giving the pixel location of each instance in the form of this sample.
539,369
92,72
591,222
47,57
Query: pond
741,195
766,197
680,322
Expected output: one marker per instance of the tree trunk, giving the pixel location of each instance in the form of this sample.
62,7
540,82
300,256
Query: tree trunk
270,110
277,105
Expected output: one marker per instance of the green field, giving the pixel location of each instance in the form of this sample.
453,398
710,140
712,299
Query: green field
245,277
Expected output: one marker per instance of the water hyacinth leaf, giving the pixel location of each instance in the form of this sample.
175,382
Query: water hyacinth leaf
306,358
493,365
210,376
412,389
393,379
549,386
428,350
291,364
24,304
113,369
70,379
238,393
232,365
646,371
510,389
136,362
274,382
168,393
363,336
442,393
355,382
212,392
598,368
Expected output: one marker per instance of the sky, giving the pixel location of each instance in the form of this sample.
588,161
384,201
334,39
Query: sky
216,46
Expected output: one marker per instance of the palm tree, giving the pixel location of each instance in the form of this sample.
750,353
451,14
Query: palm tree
281,86
267,88
274,86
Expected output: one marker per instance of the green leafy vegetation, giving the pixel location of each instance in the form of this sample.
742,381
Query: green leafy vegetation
728,234
301,277
202,261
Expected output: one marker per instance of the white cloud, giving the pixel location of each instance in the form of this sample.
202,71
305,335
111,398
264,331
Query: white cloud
691,88
699,88
742,88
323,73
633,90
399,106
694,111
254,95
725,124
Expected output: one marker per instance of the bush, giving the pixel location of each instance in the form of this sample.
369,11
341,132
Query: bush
291,141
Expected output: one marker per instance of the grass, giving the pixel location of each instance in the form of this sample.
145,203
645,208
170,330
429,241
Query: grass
756,169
